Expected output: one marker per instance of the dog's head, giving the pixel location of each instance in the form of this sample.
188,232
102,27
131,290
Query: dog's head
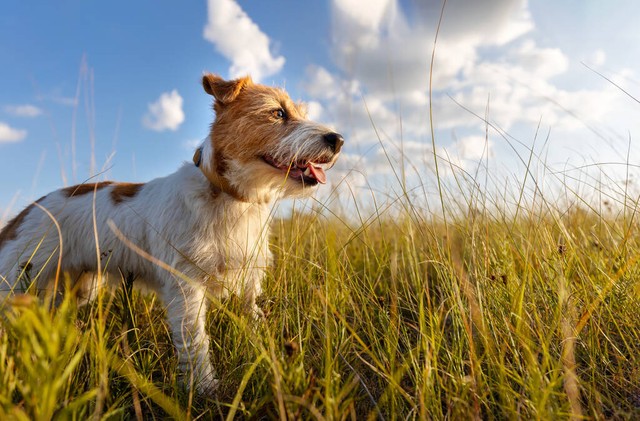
261,144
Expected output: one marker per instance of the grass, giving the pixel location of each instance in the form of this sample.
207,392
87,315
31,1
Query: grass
493,314
486,302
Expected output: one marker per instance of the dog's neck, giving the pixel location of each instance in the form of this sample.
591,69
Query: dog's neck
218,183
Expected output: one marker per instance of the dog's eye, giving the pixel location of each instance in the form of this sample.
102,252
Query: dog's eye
279,114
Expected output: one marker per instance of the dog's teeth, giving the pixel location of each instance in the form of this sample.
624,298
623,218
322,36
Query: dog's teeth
307,171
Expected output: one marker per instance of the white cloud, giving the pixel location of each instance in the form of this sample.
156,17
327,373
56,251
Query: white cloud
488,63
488,22
320,83
486,57
166,113
9,134
598,57
25,110
388,49
383,56
368,17
472,148
314,110
541,63
240,40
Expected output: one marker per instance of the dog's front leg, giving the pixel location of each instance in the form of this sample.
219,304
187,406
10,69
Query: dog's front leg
247,285
186,312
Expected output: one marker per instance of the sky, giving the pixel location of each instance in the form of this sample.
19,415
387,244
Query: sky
111,90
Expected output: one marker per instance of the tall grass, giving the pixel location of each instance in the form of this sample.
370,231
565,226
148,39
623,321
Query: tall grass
500,313
499,301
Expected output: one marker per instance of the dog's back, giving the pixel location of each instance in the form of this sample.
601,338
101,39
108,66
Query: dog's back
30,243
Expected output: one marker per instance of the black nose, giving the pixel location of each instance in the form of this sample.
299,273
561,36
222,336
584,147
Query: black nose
334,140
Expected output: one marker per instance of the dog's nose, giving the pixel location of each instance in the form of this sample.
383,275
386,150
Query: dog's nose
334,140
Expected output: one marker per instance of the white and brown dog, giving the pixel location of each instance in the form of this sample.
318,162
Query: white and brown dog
197,232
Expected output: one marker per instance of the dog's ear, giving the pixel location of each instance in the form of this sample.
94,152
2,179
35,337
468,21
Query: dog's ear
224,91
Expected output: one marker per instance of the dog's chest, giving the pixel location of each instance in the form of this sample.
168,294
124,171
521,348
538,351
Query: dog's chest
235,240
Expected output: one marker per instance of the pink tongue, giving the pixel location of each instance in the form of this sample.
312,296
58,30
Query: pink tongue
318,174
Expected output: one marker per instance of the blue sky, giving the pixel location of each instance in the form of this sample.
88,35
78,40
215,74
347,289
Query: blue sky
119,81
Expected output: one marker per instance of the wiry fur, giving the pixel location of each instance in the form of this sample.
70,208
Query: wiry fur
207,223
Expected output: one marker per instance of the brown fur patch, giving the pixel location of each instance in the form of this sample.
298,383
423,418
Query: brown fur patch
221,162
122,191
10,231
224,91
81,189
246,127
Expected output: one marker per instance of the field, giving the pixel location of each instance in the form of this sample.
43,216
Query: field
478,310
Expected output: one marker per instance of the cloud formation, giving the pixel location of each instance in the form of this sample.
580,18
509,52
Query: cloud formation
8,134
488,63
165,113
26,110
240,40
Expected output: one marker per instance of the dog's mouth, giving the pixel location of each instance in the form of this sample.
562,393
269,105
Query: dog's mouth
307,172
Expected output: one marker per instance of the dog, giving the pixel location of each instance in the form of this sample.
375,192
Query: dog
201,231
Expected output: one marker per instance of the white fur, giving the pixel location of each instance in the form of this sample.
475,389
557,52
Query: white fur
219,244
301,143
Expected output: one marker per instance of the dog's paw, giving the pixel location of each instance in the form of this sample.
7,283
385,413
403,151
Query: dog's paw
257,313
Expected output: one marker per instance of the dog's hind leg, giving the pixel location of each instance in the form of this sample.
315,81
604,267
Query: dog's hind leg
25,268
